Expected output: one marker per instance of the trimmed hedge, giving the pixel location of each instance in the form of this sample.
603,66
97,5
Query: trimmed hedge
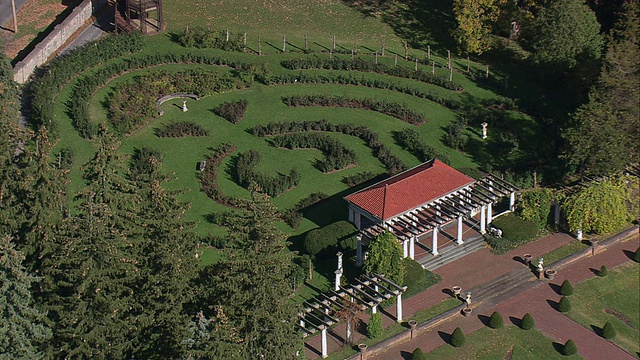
396,110
636,255
457,338
528,322
326,240
374,328
181,129
247,177
293,216
418,354
360,64
232,111
608,331
603,271
416,278
569,348
496,321
372,139
337,156
209,177
564,305
201,37
515,232
411,141
359,178
566,288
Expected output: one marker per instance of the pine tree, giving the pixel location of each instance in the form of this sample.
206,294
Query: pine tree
603,271
569,348
566,288
22,331
496,321
564,305
374,329
457,338
608,330
252,288
528,322
418,354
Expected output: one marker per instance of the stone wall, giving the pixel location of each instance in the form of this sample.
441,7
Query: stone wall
55,40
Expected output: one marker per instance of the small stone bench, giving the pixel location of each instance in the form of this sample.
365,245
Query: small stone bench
171,97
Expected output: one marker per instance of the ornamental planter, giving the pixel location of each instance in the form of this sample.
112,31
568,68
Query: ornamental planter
527,258
363,351
550,274
456,290
466,311
412,324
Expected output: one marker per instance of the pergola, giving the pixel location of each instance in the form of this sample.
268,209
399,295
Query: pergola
422,200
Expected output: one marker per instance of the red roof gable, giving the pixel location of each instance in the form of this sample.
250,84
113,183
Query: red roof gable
410,189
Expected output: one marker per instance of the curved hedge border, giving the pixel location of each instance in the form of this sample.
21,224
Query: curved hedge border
232,111
247,177
50,79
350,79
411,141
88,85
131,104
359,64
337,156
393,109
209,176
391,162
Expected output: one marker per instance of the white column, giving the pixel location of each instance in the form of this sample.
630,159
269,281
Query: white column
338,276
412,248
489,213
405,248
324,342
348,329
459,230
359,251
399,309
483,223
579,234
434,241
302,322
374,309
512,201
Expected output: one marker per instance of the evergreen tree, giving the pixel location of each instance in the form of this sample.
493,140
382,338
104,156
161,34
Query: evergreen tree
385,257
252,288
603,271
418,354
374,329
569,348
528,322
566,288
608,330
496,321
457,338
22,331
564,305
475,19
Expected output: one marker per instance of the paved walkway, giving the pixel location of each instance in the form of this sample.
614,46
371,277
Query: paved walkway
538,301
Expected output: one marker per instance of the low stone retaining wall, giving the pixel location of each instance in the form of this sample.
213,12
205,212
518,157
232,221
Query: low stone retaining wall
173,96
55,40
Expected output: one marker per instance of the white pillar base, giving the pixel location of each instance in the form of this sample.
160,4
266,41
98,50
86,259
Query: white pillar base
459,239
412,248
405,248
483,220
359,251
489,213
325,353
399,309
434,241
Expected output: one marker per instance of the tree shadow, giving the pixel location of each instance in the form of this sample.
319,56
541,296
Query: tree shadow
406,355
597,330
556,288
630,254
516,321
554,304
559,347
596,272
484,319
445,336
520,259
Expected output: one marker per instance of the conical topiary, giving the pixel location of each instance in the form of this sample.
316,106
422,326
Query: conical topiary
527,322
603,271
636,256
457,338
418,354
374,329
496,322
566,288
564,305
569,348
608,331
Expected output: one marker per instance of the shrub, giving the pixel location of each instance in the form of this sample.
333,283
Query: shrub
608,331
232,111
145,162
209,177
515,232
636,255
453,136
564,305
569,348
337,156
374,329
410,140
496,322
566,288
324,240
528,322
181,129
201,37
603,271
358,178
247,177
416,278
65,158
535,205
457,338
418,354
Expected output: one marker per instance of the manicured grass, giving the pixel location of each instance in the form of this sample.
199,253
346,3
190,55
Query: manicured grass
564,251
488,343
618,293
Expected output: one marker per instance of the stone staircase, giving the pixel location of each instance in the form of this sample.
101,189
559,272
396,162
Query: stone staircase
451,253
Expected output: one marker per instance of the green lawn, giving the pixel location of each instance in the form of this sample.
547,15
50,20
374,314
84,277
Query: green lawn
616,293
488,343
564,251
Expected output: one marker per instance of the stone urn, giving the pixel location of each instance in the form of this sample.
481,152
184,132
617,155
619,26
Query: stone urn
550,274
467,311
363,351
527,258
456,290
413,324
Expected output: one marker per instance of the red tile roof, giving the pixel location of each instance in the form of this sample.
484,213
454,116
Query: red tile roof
410,189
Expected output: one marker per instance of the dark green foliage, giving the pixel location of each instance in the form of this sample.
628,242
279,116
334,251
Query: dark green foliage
385,257
390,161
416,278
396,110
62,69
181,129
359,178
201,37
65,158
293,216
566,288
608,330
337,156
145,162
209,177
22,332
569,348
129,112
565,33
354,79
636,255
366,65
232,111
418,354
515,232
374,328
535,205
564,305
325,240
528,322
496,321
603,271
410,140
454,136
457,338
247,177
